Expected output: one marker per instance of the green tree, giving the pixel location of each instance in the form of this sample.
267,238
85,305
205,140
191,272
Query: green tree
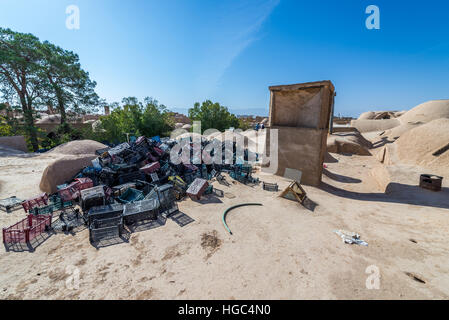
69,86
136,118
156,119
213,115
20,60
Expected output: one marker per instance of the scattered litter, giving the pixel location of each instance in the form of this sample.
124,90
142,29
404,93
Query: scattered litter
350,237
243,174
294,192
415,277
154,177
181,219
128,184
223,218
270,186
229,195
430,182
10,204
68,221
211,190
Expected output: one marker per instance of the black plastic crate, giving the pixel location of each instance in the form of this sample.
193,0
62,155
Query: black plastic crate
121,189
119,149
270,186
142,147
10,204
140,211
105,229
92,197
167,199
104,212
124,168
131,176
69,221
107,176
144,186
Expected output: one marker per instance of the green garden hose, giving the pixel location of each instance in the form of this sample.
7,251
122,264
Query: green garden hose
233,207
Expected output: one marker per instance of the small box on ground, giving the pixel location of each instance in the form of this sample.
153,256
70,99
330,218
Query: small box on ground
10,204
197,188
430,182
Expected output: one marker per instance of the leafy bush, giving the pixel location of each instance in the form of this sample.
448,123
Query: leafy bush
5,128
63,133
213,116
135,118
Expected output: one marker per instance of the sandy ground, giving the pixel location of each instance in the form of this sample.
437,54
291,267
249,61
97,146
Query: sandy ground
278,251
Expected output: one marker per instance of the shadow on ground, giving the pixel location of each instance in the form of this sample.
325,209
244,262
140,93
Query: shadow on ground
181,219
339,177
396,193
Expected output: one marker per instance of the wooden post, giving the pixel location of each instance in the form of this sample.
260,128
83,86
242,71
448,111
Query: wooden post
331,124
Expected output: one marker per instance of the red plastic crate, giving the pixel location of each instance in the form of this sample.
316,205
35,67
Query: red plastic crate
151,157
197,188
160,152
140,139
190,166
84,183
26,229
35,202
150,168
72,191
69,193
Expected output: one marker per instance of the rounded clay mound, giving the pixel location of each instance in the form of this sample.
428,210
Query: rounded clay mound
367,115
427,112
426,145
78,147
62,170
348,142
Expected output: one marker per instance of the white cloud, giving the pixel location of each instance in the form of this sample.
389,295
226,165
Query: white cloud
235,30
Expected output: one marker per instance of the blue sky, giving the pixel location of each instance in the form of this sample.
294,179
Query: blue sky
183,51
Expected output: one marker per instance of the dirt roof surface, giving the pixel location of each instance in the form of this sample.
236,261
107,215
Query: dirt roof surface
426,145
426,112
